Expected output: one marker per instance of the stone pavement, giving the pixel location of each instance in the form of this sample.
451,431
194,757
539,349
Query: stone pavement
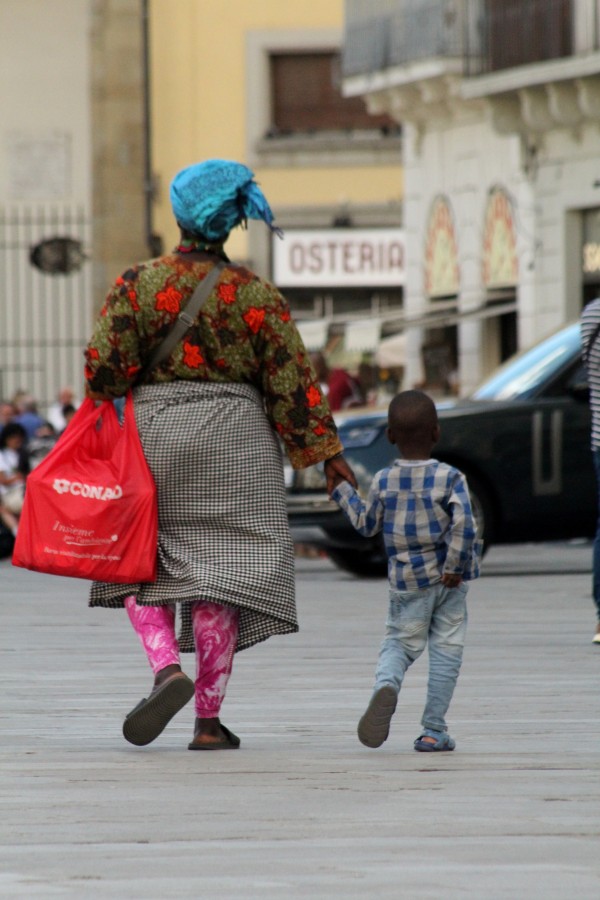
302,810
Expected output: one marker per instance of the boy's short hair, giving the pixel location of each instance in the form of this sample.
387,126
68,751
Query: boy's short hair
412,414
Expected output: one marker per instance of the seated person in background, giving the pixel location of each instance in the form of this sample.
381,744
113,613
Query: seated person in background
56,411
27,413
41,443
14,468
68,412
7,413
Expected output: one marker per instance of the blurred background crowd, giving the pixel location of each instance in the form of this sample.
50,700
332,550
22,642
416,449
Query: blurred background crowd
27,434
29,429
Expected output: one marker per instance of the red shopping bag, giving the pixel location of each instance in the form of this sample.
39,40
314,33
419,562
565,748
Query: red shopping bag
90,506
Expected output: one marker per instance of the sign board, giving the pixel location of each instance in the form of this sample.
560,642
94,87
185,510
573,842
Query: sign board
340,257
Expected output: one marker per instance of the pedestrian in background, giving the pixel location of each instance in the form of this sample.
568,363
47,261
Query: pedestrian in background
343,391
211,418
590,351
422,507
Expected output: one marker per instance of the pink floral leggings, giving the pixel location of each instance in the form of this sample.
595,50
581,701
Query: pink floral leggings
215,636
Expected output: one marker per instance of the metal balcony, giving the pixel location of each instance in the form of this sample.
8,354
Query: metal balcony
477,36
383,34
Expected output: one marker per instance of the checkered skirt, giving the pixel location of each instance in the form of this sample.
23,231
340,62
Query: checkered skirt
223,528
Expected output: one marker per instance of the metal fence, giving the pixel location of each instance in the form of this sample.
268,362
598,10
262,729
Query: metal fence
481,35
381,34
520,32
45,318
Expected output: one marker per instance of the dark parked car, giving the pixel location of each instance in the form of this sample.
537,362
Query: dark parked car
522,439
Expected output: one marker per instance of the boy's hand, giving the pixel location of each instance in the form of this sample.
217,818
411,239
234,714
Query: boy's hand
336,471
451,580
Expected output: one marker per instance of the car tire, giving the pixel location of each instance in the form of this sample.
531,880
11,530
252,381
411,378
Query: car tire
370,563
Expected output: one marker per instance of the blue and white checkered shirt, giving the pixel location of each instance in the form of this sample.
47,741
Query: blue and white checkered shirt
424,511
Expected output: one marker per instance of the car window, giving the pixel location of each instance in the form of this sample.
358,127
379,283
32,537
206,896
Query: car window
526,375
353,436
367,449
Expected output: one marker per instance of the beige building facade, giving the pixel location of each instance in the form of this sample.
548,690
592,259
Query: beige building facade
499,102
45,195
72,198
115,96
259,85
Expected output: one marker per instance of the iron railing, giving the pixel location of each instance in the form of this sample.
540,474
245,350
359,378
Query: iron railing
381,34
481,35
44,318
521,32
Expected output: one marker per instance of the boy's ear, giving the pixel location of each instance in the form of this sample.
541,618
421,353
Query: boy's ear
436,432
390,436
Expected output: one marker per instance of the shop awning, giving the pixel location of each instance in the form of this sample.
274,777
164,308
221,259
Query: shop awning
391,352
314,333
432,318
363,335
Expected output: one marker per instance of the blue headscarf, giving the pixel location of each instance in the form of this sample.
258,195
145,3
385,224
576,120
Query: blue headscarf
212,197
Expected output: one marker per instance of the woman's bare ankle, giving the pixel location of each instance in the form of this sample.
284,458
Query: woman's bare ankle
166,673
208,728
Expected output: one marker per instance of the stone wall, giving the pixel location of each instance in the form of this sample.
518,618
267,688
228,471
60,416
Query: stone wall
118,140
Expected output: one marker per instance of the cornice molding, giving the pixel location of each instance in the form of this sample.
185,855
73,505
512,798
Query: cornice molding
532,110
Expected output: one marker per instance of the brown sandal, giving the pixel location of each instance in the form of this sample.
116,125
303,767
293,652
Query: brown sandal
152,714
230,741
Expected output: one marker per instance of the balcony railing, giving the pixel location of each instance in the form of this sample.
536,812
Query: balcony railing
382,34
520,32
482,35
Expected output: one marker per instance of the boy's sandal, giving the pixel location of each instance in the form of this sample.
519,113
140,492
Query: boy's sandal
444,742
374,726
152,714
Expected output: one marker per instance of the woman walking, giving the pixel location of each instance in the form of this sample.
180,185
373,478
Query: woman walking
211,417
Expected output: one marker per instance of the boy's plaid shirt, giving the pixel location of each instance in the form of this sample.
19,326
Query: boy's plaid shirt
424,511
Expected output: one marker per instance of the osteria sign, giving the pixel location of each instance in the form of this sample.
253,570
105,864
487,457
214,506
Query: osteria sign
340,257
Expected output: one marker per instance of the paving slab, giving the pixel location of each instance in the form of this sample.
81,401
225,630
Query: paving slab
303,810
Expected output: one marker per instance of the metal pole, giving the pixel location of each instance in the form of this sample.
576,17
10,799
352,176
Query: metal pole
466,48
153,241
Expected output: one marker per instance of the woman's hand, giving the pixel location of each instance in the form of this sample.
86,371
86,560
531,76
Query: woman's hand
337,470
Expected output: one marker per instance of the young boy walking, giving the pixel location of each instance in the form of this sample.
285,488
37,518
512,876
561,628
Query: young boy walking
423,508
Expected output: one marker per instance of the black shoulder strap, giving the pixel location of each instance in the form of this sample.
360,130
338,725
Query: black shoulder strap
185,319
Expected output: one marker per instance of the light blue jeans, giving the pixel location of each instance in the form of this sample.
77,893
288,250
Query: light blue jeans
436,615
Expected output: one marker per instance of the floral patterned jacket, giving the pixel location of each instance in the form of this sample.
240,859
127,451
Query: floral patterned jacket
243,333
